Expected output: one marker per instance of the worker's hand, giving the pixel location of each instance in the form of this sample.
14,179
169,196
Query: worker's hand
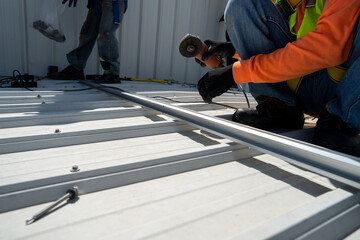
70,2
223,49
215,83
200,62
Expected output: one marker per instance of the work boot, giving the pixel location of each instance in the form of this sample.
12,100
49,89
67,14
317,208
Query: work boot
270,114
331,132
107,77
69,73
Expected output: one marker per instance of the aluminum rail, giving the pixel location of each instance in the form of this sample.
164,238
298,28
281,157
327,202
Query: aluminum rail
332,164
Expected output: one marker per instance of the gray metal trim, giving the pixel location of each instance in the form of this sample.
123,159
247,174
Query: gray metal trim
33,184
32,143
69,117
56,107
103,179
332,164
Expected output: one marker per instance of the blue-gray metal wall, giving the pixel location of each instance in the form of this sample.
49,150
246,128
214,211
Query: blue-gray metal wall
149,37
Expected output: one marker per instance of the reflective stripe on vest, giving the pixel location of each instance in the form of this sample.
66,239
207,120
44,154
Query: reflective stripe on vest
312,13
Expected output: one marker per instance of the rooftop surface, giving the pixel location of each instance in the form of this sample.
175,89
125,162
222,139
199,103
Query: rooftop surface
142,174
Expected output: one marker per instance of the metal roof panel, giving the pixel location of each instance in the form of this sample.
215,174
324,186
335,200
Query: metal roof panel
144,174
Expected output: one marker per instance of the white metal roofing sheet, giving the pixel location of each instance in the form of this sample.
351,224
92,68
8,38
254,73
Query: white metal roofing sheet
148,175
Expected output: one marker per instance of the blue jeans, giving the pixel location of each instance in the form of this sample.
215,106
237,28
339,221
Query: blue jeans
258,27
105,28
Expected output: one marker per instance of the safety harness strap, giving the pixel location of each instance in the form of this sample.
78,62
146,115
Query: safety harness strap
288,7
115,9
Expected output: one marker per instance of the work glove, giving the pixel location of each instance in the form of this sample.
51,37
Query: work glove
215,83
223,49
70,2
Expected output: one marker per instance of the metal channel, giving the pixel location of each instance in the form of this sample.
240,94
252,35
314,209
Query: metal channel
332,164
39,192
31,143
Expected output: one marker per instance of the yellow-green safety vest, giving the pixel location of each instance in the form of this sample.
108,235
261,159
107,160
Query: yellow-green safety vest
313,10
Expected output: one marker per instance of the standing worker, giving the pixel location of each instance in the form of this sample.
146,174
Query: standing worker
103,19
298,56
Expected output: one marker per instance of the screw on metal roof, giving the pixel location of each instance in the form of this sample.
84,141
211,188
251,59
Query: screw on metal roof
71,194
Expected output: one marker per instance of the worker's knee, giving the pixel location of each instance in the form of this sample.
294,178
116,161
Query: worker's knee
228,14
104,35
236,9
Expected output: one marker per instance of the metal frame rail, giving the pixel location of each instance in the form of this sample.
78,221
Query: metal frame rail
332,164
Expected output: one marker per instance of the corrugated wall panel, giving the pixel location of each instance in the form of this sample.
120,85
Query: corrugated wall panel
148,38
12,44
130,32
166,39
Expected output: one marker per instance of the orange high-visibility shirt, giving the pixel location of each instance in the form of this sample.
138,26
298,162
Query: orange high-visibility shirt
329,45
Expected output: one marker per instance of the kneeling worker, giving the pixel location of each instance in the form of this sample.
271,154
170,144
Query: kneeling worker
297,56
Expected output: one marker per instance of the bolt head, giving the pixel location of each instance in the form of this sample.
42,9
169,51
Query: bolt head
75,168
